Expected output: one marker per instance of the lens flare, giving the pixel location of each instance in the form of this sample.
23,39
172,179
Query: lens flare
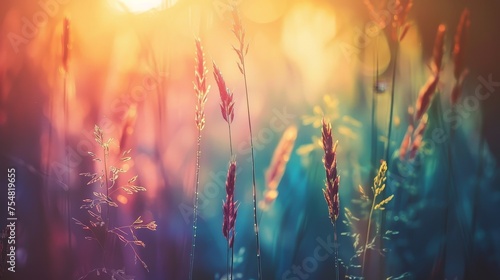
141,6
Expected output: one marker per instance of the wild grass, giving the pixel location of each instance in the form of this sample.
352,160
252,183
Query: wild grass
277,167
226,104
229,207
104,212
201,89
100,227
331,190
242,50
398,28
367,241
230,211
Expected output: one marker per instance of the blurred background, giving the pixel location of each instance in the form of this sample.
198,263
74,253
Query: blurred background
129,68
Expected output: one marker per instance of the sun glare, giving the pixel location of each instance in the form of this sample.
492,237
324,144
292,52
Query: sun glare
141,6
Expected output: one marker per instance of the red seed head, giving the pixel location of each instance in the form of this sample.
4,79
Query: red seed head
331,190
437,54
229,207
460,38
425,95
200,85
226,96
403,149
401,10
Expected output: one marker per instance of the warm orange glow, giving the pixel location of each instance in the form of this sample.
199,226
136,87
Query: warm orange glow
122,199
141,6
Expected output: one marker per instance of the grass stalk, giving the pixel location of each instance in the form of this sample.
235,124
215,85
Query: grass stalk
375,90
336,251
241,51
332,184
229,213
195,203
254,189
391,110
368,230
379,184
201,90
232,262
383,217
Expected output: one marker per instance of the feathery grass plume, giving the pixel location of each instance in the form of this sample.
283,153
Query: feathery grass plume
413,140
331,190
399,25
403,149
425,96
459,71
377,189
230,211
66,43
226,96
201,90
438,51
229,207
99,227
363,228
374,14
241,51
278,166
429,88
418,137
460,39
227,110
227,103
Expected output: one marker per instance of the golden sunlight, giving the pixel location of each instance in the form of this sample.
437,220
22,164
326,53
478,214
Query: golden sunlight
141,6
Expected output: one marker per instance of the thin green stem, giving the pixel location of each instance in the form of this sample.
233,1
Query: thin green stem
232,260
195,204
230,139
391,114
336,248
368,229
388,150
254,189
227,259
373,119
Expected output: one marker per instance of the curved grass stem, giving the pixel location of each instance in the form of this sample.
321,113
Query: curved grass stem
254,189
